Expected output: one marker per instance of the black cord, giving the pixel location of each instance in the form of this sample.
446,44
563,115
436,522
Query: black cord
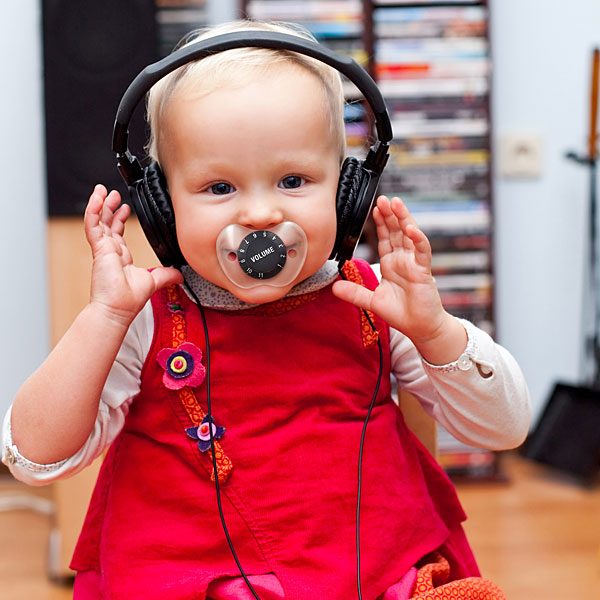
360,456
212,444
362,444
214,458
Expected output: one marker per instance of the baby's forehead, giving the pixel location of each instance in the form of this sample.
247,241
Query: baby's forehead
277,85
204,77
289,96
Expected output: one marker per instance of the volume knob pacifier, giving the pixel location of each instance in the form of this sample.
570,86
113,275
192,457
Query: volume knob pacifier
262,254
254,257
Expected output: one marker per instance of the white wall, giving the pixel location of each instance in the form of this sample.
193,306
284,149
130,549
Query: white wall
541,51
542,64
23,299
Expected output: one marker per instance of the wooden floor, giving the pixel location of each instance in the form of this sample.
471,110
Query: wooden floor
537,536
24,536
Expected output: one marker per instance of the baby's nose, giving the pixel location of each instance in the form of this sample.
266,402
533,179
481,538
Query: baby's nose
261,213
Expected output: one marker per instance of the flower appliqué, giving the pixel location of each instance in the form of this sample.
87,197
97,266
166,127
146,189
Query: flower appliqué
182,365
202,433
175,307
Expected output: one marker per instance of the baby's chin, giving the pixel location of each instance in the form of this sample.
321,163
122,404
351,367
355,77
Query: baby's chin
265,292
261,294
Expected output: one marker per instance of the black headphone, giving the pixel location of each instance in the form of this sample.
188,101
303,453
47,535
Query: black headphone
147,186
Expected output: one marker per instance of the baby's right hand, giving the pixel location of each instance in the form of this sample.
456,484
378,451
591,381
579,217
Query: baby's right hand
118,286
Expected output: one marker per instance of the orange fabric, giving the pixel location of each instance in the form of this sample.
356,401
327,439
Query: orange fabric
178,318
369,337
187,395
432,583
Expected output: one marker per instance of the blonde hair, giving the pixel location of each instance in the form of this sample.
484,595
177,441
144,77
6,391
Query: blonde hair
239,66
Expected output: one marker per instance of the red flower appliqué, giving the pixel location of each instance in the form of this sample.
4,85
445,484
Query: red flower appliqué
182,365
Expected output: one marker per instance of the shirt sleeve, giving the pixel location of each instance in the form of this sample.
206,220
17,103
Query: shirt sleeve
481,398
122,385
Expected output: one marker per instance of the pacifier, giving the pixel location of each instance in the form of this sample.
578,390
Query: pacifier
251,257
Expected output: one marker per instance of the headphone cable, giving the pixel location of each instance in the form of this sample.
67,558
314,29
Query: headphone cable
362,442
360,454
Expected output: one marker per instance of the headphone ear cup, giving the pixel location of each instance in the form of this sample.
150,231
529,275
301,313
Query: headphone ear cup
154,209
348,192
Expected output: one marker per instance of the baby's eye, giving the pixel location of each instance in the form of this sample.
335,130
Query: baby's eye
221,188
291,182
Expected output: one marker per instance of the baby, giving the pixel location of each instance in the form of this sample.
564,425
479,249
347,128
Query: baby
251,140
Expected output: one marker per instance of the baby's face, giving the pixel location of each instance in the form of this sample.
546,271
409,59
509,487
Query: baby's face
256,156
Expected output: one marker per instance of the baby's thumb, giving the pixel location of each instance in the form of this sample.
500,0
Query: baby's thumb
353,293
166,276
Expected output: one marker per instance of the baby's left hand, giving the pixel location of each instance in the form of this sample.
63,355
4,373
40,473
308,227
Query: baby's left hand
407,297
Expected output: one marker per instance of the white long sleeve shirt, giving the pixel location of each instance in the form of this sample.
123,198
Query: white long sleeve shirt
481,398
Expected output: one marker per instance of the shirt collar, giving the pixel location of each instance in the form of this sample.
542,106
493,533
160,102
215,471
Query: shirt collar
213,296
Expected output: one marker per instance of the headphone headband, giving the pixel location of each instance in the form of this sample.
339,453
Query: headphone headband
358,179
140,86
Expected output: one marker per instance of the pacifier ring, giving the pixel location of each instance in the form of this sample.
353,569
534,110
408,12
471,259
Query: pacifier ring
262,254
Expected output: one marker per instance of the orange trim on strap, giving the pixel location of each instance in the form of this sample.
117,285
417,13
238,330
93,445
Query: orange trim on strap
187,395
369,337
178,318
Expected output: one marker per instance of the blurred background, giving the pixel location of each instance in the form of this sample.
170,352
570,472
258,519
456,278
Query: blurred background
486,99
541,61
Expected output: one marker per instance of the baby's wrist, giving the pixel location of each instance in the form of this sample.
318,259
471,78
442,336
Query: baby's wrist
445,344
109,316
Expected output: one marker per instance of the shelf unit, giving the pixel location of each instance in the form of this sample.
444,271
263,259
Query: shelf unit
432,63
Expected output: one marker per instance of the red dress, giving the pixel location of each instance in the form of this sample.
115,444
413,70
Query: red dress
291,383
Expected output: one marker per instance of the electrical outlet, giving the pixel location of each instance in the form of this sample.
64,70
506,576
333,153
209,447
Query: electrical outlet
521,155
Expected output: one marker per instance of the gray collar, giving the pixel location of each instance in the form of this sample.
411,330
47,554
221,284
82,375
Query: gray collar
213,296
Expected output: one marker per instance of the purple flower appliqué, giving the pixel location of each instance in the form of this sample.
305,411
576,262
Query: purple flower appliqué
182,366
175,307
202,433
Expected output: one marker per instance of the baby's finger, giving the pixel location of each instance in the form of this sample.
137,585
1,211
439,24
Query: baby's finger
110,206
91,218
119,218
400,210
353,293
387,221
383,233
96,200
405,220
394,214
113,199
118,229
165,276
422,247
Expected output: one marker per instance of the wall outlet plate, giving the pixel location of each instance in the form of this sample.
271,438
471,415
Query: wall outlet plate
521,155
